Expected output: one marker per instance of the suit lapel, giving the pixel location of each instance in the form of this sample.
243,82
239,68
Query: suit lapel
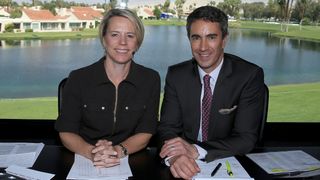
195,92
217,99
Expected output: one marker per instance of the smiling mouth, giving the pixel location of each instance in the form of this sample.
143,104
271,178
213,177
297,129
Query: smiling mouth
122,51
204,55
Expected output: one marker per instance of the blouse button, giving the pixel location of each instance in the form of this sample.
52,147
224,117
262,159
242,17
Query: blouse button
126,107
103,108
84,105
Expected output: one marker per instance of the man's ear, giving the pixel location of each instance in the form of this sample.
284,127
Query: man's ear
224,41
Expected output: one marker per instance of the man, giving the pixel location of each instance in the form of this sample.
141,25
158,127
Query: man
213,103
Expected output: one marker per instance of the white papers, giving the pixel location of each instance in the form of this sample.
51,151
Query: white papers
239,173
22,154
28,173
83,168
285,162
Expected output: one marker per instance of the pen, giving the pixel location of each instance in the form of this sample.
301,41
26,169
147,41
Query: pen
216,169
229,171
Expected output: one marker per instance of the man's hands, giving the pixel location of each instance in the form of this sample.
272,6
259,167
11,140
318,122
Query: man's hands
183,167
105,155
183,155
178,146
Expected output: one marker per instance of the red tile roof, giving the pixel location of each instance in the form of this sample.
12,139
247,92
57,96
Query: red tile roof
40,14
148,11
86,13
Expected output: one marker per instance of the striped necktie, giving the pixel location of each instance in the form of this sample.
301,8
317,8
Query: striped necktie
206,106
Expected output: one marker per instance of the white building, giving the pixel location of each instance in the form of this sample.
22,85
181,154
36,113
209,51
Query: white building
38,20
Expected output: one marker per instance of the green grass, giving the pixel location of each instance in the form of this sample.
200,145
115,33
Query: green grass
87,33
29,108
306,32
294,103
287,103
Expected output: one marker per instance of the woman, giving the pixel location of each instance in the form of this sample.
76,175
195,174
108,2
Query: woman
110,108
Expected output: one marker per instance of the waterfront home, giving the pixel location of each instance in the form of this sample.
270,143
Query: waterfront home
36,19
145,13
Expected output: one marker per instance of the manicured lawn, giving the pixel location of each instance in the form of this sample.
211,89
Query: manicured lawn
29,108
87,33
294,103
287,103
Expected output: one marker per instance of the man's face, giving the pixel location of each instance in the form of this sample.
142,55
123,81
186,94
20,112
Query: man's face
207,44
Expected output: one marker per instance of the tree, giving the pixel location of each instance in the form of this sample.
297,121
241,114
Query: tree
231,7
285,11
212,3
271,10
165,7
313,11
179,7
157,12
113,4
50,6
15,13
301,6
253,10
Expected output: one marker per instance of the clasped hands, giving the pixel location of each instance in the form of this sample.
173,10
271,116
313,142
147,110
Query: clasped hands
104,154
182,157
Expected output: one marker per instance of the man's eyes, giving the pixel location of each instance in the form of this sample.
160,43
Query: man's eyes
212,37
193,38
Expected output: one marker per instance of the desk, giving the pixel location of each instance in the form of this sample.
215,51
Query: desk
146,164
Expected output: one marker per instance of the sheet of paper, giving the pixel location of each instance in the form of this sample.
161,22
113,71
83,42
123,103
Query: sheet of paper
285,161
238,171
83,168
22,154
26,173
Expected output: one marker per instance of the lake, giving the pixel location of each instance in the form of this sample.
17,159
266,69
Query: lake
33,68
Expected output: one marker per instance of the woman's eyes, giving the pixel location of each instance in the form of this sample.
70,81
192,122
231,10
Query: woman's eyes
114,34
129,35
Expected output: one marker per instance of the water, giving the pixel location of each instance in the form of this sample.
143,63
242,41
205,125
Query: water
33,68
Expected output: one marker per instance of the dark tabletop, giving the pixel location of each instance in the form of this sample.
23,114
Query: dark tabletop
146,164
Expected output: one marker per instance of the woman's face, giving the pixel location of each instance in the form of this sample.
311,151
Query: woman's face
120,40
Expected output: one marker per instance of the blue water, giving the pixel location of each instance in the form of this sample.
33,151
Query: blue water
33,68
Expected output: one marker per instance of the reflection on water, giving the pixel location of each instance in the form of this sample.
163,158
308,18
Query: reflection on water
31,68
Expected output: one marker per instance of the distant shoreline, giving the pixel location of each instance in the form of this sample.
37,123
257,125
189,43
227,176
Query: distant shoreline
309,33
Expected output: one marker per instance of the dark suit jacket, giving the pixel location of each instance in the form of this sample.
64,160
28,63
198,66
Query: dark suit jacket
239,83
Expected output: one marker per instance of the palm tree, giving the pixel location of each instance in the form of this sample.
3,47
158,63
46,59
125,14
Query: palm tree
302,6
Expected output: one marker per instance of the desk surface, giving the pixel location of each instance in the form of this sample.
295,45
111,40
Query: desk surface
146,164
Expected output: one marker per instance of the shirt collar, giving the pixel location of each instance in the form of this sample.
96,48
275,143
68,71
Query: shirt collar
132,76
214,74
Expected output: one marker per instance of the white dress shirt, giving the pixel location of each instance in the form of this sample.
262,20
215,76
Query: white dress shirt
214,76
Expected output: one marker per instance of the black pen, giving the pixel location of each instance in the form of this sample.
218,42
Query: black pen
216,169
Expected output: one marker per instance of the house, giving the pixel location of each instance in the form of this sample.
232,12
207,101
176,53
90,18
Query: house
4,13
84,17
41,20
145,13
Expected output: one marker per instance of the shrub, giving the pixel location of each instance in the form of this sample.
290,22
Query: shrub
9,27
29,30
306,21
